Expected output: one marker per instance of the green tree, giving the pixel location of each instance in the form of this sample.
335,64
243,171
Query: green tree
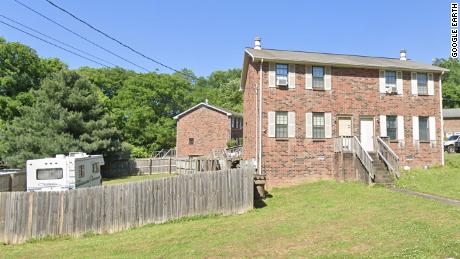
450,82
68,114
109,80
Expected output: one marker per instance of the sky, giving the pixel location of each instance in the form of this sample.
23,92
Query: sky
206,35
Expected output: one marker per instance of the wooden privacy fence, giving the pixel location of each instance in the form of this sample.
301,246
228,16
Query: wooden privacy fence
106,209
139,166
193,165
13,181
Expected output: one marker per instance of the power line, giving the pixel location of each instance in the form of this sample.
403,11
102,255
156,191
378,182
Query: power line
119,42
79,35
52,38
57,46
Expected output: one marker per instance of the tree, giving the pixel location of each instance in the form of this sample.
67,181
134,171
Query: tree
145,106
109,80
450,82
68,114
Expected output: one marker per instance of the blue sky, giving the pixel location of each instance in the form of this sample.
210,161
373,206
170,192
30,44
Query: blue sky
210,35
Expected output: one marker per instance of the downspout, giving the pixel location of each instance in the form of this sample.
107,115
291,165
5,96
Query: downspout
442,119
259,164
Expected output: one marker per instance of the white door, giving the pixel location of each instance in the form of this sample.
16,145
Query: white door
344,126
367,133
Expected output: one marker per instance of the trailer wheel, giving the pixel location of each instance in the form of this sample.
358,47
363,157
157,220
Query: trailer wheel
451,149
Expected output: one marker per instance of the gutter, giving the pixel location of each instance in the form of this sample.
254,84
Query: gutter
259,164
442,119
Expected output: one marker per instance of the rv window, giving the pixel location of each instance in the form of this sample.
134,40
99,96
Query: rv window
49,174
95,168
81,171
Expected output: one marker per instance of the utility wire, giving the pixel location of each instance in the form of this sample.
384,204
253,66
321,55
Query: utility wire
56,40
79,35
119,42
57,46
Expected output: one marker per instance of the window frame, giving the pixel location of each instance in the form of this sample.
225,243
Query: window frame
424,86
390,85
316,77
281,126
391,129
81,171
321,128
60,170
278,75
425,118
191,141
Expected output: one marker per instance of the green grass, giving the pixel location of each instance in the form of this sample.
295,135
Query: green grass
323,219
442,181
125,179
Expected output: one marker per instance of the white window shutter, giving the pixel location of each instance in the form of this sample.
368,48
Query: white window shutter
413,83
309,124
430,84
291,124
327,125
383,126
308,77
400,128
271,75
382,81
415,129
271,124
399,82
327,78
291,79
432,125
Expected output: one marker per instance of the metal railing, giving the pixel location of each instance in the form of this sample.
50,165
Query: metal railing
352,144
388,156
164,153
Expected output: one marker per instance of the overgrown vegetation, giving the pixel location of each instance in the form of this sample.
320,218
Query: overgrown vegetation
322,219
443,181
48,109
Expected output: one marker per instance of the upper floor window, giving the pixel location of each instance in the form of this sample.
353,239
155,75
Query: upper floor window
423,127
282,74
318,77
81,171
422,83
281,124
191,141
390,79
392,127
318,125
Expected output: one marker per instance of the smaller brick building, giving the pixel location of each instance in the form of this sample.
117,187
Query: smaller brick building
451,118
204,128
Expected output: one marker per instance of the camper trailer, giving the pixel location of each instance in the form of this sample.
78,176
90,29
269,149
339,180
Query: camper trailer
77,170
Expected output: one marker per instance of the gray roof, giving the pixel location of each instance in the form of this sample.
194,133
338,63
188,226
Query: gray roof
451,113
340,59
212,107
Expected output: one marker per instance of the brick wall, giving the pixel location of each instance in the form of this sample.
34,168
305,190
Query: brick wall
209,129
355,92
451,125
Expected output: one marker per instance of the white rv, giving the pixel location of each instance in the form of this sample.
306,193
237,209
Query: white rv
77,170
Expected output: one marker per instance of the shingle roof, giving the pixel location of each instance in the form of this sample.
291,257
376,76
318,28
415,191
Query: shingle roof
451,113
340,59
213,107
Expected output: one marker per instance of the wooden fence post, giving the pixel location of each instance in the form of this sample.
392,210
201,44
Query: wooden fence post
169,167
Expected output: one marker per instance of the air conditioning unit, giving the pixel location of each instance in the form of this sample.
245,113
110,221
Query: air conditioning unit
282,81
391,90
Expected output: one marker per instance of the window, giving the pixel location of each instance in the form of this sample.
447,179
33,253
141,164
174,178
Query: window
422,83
281,73
392,127
49,174
281,125
191,141
423,128
318,125
390,79
81,171
318,77
96,168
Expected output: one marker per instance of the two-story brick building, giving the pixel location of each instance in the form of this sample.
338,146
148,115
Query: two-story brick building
204,128
297,103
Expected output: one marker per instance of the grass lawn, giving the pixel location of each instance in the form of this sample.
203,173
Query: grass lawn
125,179
323,219
443,181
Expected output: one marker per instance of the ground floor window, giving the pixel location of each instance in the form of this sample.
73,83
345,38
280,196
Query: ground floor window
423,127
392,127
281,125
318,125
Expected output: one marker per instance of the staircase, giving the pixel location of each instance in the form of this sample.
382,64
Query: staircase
382,174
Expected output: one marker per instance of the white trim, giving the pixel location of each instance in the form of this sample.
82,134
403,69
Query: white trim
202,104
291,76
399,82
291,125
383,125
382,86
442,118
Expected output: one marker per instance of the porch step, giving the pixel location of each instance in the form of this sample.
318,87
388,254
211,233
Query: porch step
382,175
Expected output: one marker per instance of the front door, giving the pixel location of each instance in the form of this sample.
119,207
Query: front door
367,133
345,126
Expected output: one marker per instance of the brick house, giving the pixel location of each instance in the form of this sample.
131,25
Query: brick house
297,105
451,121
204,128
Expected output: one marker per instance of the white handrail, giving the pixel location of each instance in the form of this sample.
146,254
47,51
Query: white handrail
388,156
365,158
